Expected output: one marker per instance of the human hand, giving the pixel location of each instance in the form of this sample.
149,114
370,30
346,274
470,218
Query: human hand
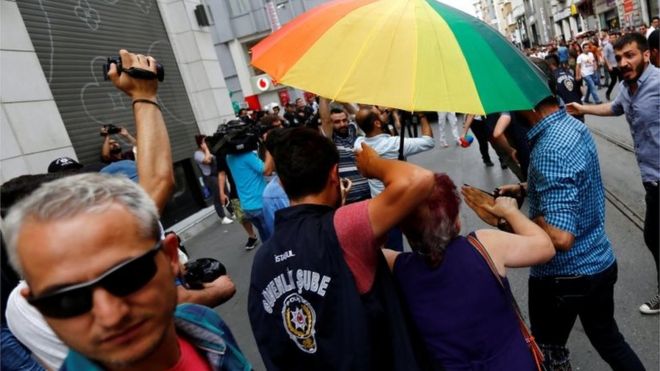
134,88
222,288
224,199
364,159
481,203
503,206
104,131
123,132
509,190
574,109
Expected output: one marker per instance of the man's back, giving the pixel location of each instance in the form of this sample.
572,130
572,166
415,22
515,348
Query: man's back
313,306
247,170
566,188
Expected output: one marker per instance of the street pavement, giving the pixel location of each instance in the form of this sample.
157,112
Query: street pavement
620,173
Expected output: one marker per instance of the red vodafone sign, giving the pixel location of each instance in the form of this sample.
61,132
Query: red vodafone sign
263,83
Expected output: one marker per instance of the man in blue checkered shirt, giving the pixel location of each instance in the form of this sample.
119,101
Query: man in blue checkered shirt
566,199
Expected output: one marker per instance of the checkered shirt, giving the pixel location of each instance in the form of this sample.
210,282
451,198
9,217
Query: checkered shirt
566,189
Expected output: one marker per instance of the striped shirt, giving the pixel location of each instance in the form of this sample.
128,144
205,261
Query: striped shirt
347,167
565,188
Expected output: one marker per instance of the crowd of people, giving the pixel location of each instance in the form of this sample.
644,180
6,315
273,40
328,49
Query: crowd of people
99,285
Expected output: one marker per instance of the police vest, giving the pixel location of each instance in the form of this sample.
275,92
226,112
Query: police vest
304,307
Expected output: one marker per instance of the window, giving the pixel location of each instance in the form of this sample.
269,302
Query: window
238,7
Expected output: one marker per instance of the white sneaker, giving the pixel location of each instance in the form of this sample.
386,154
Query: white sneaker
226,220
443,144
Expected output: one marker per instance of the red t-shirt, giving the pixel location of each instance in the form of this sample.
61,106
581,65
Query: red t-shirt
358,243
190,360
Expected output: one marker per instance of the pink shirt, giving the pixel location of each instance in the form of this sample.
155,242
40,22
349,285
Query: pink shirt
358,243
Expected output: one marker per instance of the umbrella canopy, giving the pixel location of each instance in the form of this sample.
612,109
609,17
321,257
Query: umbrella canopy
417,55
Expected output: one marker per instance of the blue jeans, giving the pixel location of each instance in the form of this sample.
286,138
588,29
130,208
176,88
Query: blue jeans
256,217
591,88
15,357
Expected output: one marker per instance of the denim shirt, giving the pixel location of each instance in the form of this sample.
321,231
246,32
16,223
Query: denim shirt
565,187
643,115
203,328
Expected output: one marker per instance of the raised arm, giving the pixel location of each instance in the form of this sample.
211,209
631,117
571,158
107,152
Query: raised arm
127,135
406,186
604,109
426,127
324,114
105,148
154,156
527,245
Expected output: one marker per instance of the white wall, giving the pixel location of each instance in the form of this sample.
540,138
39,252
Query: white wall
198,63
32,133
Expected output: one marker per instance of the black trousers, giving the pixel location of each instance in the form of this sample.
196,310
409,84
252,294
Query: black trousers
615,75
652,223
556,302
480,131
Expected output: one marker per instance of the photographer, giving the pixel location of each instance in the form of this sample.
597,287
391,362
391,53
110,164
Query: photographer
111,150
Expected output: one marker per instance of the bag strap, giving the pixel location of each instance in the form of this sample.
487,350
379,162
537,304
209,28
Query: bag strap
527,335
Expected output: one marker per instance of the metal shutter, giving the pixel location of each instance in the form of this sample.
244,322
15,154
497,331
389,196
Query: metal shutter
72,40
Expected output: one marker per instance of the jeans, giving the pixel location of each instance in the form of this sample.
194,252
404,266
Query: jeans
256,217
651,223
591,88
15,357
556,302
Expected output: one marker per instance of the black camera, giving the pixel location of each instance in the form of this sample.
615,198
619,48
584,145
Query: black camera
137,73
234,137
201,271
110,130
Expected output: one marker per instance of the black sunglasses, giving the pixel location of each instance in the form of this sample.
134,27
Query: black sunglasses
121,280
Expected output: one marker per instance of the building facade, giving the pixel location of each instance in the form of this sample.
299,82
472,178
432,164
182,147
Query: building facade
53,99
241,24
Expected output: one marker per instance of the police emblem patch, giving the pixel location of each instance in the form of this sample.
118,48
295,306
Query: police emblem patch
299,320
568,84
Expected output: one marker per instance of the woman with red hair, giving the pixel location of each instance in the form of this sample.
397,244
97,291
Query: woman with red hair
461,309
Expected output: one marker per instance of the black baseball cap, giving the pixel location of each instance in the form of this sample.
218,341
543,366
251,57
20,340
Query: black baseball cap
63,164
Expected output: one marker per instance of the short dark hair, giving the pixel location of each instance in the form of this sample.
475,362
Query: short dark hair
22,186
549,79
630,38
654,39
335,110
303,160
274,139
552,59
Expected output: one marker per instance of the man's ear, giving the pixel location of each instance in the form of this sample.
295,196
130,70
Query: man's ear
647,56
334,174
171,249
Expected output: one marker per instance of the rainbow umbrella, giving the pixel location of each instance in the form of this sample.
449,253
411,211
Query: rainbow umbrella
417,55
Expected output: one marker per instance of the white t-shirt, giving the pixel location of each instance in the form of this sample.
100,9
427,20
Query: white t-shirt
587,64
199,159
387,146
30,328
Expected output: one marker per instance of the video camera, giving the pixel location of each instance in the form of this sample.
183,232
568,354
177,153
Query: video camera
110,130
234,137
137,73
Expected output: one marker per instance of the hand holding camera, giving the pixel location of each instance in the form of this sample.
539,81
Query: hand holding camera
110,130
140,79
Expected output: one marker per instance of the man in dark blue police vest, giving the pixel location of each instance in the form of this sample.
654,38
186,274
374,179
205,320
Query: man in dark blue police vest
320,294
